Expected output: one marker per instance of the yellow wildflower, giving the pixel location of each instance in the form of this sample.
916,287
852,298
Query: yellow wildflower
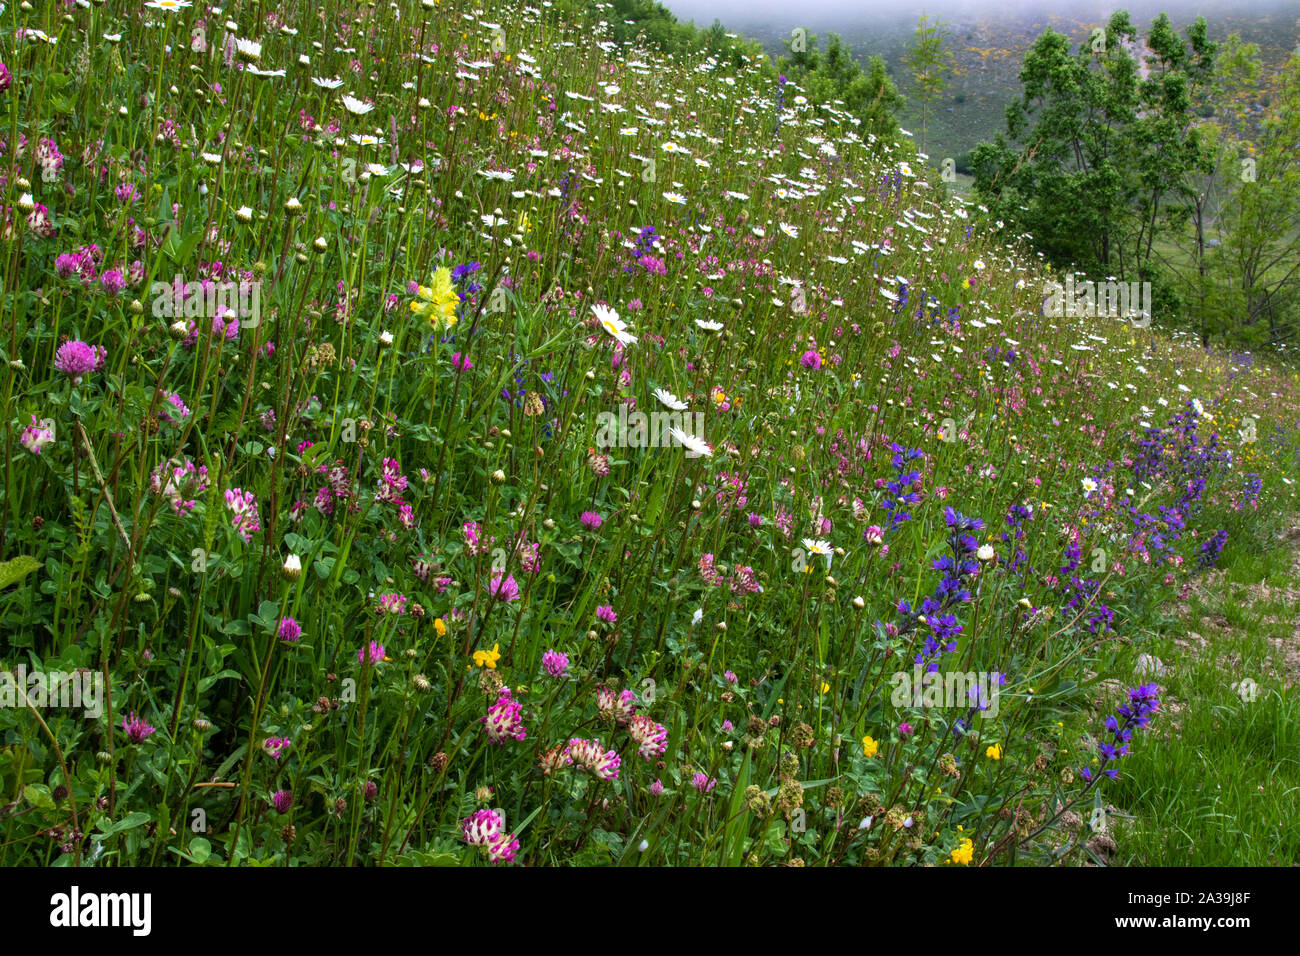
964,853
994,752
438,302
440,627
488,659
869,746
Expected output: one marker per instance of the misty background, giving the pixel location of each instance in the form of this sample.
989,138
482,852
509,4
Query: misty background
988,39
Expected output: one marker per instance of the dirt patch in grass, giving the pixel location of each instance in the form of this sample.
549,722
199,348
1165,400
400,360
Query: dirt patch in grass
1209,589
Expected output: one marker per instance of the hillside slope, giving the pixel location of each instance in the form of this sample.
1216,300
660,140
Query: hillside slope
451,437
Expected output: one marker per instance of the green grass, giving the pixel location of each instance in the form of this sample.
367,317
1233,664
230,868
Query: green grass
1234,763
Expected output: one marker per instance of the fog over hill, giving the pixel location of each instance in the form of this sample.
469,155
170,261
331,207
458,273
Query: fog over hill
988,41
840,15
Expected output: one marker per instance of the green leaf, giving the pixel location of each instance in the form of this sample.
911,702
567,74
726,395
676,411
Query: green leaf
179,250
774,839
38,795
229,762
656,503
16,569
200,850
733,844
211,679
128,822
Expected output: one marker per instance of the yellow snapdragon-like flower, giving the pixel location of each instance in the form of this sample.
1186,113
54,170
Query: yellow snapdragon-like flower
437,302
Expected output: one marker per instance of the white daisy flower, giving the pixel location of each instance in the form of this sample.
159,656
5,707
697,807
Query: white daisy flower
692,444
356,106
247,49
612,324
819,547
670,400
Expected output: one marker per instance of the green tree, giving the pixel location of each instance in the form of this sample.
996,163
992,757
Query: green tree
881,101
1258,262
930,62
1100,149
1165,142
1193,261
1055,171
825,77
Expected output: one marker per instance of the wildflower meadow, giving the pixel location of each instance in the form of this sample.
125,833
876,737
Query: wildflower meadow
438,433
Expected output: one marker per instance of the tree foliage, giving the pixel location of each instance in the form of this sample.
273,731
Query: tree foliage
832,75
930,62
1138,157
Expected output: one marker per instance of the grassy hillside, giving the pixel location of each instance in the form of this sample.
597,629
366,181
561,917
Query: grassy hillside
328,332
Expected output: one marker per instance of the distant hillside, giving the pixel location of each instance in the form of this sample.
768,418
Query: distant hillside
988,46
